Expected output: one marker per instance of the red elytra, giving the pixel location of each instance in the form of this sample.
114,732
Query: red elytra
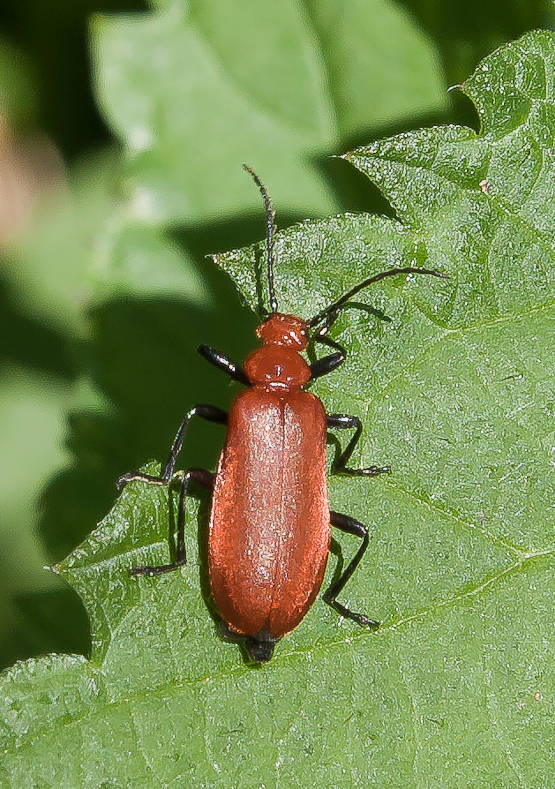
269,531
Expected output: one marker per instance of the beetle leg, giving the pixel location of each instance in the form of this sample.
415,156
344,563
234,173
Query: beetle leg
202,477
218,359
208,412
351,526
206,480
329,363
326,364
339,466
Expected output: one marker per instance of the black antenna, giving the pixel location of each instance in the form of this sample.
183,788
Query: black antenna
320,316
270,233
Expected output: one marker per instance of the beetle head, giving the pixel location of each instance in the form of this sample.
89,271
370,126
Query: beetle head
285,330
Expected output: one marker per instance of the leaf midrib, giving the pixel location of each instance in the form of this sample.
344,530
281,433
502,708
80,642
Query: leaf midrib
225,674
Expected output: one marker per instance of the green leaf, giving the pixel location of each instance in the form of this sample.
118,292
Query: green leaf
454,392
194,93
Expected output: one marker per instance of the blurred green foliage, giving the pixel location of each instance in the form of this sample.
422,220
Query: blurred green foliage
97,351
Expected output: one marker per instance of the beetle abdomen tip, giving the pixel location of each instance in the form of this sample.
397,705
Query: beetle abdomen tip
260,651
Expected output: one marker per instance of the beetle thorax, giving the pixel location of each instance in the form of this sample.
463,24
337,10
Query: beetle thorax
278,365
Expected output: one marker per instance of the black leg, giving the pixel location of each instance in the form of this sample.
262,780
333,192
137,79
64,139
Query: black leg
351,526
341,422
218,359
327,363
208,412
206,480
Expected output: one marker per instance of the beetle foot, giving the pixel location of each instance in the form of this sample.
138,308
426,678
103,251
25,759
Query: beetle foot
365,621
160,569
369,471
133,476
360,619
374,471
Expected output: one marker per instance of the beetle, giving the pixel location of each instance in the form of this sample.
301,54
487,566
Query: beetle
269,531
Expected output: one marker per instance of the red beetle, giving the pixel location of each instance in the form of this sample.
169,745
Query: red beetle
269,532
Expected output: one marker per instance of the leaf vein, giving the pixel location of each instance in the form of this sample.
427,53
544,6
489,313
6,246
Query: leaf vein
227,673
